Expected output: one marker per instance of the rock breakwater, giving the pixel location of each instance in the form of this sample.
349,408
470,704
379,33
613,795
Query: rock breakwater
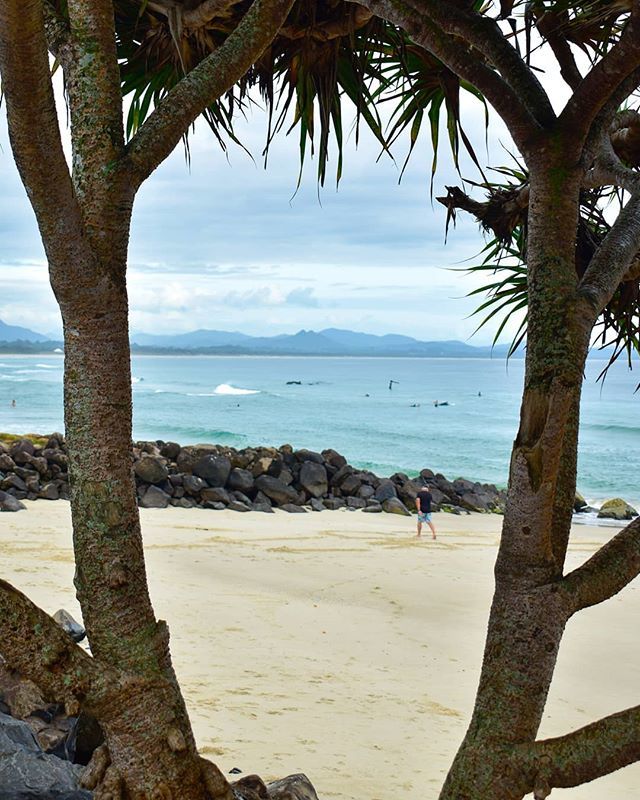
253,479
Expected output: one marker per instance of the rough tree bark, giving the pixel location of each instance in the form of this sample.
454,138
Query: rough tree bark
84,220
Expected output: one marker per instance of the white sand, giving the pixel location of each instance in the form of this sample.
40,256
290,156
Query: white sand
337,644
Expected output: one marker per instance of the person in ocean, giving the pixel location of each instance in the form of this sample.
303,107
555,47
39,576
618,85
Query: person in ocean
423,504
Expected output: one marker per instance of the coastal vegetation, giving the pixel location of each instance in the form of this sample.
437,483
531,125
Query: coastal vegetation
182,60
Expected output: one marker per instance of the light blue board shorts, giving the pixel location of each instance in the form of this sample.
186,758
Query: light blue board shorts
424,517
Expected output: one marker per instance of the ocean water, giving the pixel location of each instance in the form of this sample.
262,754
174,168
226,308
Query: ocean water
346,403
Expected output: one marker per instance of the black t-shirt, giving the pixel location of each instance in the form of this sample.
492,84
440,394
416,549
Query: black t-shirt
425,497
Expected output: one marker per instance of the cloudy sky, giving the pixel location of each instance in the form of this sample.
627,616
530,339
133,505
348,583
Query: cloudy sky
226,244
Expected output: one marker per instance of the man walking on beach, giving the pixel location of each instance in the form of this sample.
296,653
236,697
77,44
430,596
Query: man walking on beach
423,504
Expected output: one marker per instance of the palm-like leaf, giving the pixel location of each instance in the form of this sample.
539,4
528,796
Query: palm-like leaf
505,257
327,51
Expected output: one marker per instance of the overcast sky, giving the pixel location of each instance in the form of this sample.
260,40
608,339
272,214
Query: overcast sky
227,245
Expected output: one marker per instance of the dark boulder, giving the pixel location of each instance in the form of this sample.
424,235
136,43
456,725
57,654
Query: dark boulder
366,491
356,502
213,505
265,508
276,490
478,499
333,503
192,484
408,492
374,508
350,485
393,505
151,470
214,470
240,480
286,475
308,455
184,502
236,505
313,478
266,461
55,456
56,440
242,498
385,491
334,458
10,503
262,498
291,508
69,625
215,494
170,450
293,787
154,497
341,474
7,464
49,492
13,481
580,505
462,486
27,773
21,450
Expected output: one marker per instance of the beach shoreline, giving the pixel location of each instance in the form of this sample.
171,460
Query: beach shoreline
336,643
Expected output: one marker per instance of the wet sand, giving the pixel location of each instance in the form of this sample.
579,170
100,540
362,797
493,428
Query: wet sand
337,644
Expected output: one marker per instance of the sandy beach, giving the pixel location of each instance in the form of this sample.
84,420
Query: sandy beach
336,643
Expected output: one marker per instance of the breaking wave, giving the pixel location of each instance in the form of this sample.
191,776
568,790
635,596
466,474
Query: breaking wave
227,388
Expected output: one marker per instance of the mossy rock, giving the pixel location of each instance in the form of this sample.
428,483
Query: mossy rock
37,439
617,508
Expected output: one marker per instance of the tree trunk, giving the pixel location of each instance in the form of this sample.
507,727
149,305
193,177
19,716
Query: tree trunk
147,730
528,613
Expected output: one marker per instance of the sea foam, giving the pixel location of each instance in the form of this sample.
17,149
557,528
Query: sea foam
227,388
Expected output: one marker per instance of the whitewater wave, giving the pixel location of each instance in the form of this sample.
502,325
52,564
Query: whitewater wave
227,388
47,366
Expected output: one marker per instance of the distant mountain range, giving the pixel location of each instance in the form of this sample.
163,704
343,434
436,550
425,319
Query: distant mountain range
13,333
327,342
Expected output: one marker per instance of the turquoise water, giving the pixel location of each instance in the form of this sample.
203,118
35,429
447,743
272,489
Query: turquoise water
345,403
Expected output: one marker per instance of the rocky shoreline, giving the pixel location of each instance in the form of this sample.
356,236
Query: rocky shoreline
252,479
217,477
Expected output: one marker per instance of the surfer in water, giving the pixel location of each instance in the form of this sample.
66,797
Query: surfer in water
391,384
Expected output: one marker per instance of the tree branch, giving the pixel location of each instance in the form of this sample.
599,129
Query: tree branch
612,260
95,100
217,73
593,95
38,648
607,572
56,29
456,54
33,128
585,754
550,24
486,37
